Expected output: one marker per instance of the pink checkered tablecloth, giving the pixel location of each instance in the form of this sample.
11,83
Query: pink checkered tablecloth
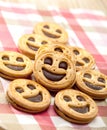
86,29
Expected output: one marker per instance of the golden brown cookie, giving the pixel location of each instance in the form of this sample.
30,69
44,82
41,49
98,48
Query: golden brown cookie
75,106
14,65
28,96
55,71
83,58
92,82
52,31
57,48
29,44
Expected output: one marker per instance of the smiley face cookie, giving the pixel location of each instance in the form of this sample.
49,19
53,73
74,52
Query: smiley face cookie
30,43
75,106
83,58
14,65
52,31
92,82
28,96
55,71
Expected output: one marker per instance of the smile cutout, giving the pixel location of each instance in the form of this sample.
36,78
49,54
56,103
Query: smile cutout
32,47
50,34
14,67
52,76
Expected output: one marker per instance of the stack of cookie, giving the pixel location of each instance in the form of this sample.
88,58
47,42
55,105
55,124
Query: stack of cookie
57,67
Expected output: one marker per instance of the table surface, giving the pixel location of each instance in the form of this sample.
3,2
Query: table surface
86,24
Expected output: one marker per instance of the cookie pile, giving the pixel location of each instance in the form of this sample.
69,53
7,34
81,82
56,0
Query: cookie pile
56,67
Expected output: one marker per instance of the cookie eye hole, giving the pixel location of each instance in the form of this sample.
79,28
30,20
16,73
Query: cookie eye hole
48,60
46,26
86,75
63,65
5,58
30,86
86,60
19,59
58,31
44,42
76,52
80,98
19,90
58,49
100,79
31,39
67,98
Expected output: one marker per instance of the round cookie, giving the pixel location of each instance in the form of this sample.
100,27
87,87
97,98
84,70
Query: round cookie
14,65
29,44
55,71
75,106
52,31
28,96
83,58
92,82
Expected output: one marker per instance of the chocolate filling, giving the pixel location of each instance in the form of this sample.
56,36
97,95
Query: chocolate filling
81,109
52,76
37,98
67,98
93,86
86,75
79,64
19,59
63,65
50,34
14,67
102,80
19,90
32,47
86,60
30,86
5,58
76,52
31,39
58,49
80,98
48,60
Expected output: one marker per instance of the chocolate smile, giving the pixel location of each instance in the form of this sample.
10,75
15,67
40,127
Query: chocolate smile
32,47
37,98
50,34
93,86
52,76
14,67
84,109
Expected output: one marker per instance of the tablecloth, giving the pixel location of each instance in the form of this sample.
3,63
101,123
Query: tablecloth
86,28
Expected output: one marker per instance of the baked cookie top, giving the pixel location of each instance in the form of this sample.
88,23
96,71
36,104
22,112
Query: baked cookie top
29,44
55,71
29,94
52,31
83,58
92,82
15,64
76,105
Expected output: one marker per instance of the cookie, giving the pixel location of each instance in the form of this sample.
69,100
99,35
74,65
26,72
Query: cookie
93,83
55,71
57,48
29,44
75,106
83,58
52,31
28,96
14,65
